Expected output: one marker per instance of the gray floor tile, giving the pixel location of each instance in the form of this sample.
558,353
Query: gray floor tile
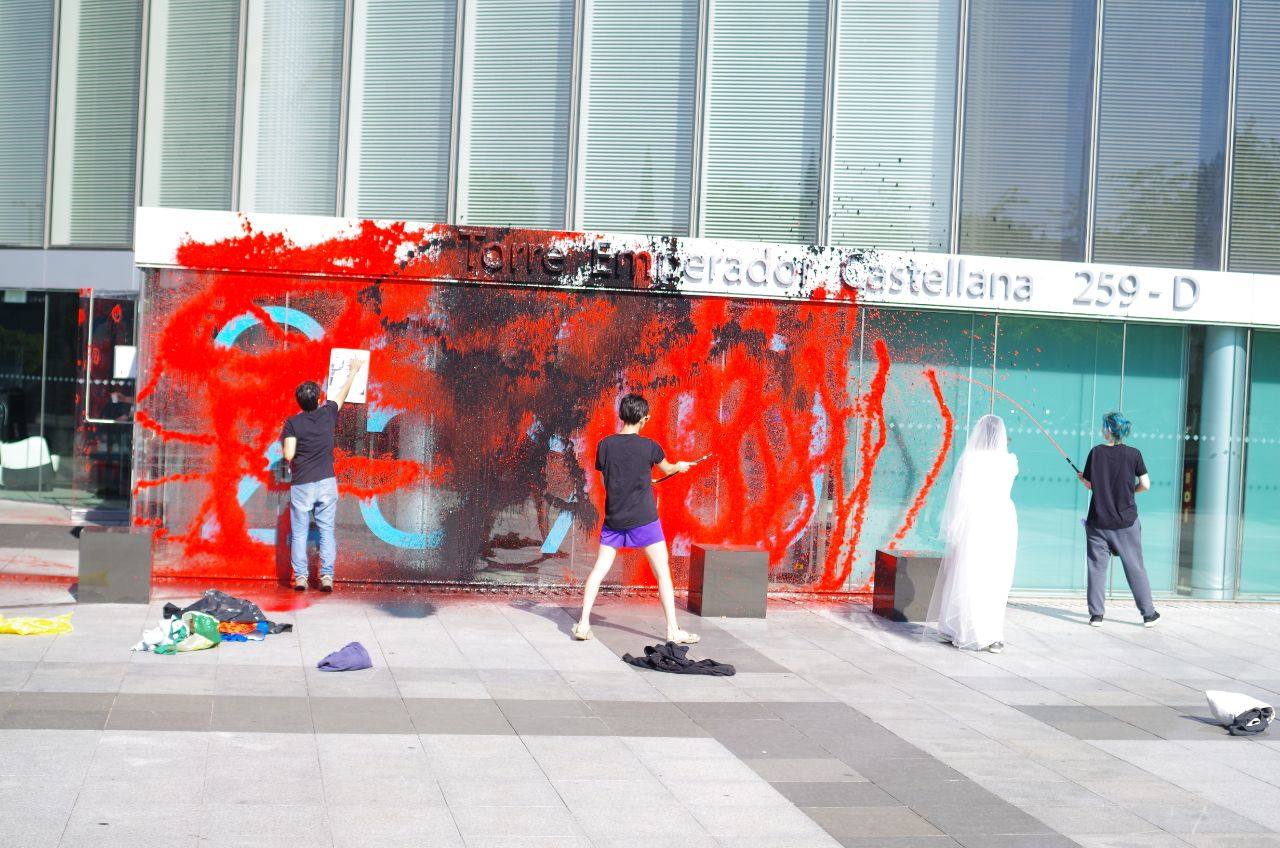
816,770
548,821
872,822
18,718
448,716
486,792
898,842
992,819
1031,840
839,794
563,725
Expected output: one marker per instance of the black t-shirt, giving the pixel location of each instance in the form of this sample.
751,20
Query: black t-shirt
627,461
313,459
1113,470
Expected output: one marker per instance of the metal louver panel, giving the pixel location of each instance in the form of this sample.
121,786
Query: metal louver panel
191,103
96,140
1162,132
764,119
26,58
292,104
1255,183
894,124
640,115
522,67
1028,111
402,108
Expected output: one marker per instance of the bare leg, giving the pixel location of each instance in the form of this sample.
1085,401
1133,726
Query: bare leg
604,561
661,565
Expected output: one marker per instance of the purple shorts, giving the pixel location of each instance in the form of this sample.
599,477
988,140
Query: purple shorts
637,537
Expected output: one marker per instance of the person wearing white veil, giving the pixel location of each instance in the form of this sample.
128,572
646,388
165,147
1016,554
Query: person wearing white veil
980,532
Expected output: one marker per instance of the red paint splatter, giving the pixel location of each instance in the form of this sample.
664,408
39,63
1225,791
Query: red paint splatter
764,384
116,313
948,430
851,508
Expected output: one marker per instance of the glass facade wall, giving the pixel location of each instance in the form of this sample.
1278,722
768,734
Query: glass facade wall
1078,130
1028,101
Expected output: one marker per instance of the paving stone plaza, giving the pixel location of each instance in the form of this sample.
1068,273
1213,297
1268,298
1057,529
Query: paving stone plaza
482,724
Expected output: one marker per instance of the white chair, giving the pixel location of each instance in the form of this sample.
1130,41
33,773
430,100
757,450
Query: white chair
24,464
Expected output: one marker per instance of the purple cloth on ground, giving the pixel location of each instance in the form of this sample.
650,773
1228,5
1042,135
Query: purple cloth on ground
637,537
351,658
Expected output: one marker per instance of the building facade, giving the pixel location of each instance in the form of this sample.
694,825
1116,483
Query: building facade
1130,134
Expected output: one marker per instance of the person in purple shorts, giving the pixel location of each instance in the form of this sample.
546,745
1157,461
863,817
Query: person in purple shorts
627,460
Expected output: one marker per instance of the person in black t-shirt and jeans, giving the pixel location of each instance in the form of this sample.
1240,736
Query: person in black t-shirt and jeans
627,460
313,487
1115,472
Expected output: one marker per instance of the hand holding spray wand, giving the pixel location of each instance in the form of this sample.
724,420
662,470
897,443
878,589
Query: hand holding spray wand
702,458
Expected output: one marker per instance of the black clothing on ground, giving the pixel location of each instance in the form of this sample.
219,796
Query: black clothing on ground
313,460
626,460
1113,471
224,607
674,658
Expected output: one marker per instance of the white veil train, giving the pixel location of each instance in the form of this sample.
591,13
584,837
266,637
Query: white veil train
980,532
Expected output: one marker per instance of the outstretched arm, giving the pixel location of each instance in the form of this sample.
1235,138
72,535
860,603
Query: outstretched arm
341,396
668,468
1085,482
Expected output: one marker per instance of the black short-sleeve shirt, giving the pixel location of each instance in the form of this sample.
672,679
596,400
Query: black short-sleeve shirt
314,430
626,460
1113,471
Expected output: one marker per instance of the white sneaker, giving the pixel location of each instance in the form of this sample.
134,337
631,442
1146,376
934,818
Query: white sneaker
300,584
996,648
326,583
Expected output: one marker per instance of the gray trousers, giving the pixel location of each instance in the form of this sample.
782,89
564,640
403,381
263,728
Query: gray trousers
1126,543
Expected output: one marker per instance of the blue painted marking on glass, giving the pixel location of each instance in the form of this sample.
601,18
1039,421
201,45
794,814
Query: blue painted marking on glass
559,530
394,536
282,315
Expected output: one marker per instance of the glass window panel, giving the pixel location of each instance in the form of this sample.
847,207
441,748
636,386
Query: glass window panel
26,60
191,103
1066,374
1255,172
956,346
401,108
764,119
1162,132
293,82
517,172
1259,565
640,116
95,136
1028,96
894,124
1155,401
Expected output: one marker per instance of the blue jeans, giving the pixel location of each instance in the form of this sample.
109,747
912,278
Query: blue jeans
320,498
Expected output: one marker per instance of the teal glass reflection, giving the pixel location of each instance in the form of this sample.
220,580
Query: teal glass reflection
1154,400
1259,565
1066,374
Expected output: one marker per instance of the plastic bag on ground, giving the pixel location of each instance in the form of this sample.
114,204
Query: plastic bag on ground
1242,715
164,636
35,626
204,625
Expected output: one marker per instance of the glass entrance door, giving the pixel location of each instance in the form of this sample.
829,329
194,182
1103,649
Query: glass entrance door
66,392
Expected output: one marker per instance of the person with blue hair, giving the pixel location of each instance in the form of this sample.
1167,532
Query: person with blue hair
1115,473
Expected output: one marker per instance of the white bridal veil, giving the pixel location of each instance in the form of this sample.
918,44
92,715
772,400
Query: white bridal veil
980,532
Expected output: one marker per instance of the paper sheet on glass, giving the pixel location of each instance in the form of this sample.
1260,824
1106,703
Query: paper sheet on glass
340,361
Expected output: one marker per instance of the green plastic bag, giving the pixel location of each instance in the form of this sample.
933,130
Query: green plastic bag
35,626
202,624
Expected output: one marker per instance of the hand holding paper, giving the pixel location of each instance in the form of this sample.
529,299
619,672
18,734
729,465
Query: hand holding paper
347,369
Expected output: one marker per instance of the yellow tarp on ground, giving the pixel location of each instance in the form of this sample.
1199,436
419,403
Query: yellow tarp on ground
32,626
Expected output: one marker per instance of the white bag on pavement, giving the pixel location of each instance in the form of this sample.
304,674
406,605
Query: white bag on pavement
1232,709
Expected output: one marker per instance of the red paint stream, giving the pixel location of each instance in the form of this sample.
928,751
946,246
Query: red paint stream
948,430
